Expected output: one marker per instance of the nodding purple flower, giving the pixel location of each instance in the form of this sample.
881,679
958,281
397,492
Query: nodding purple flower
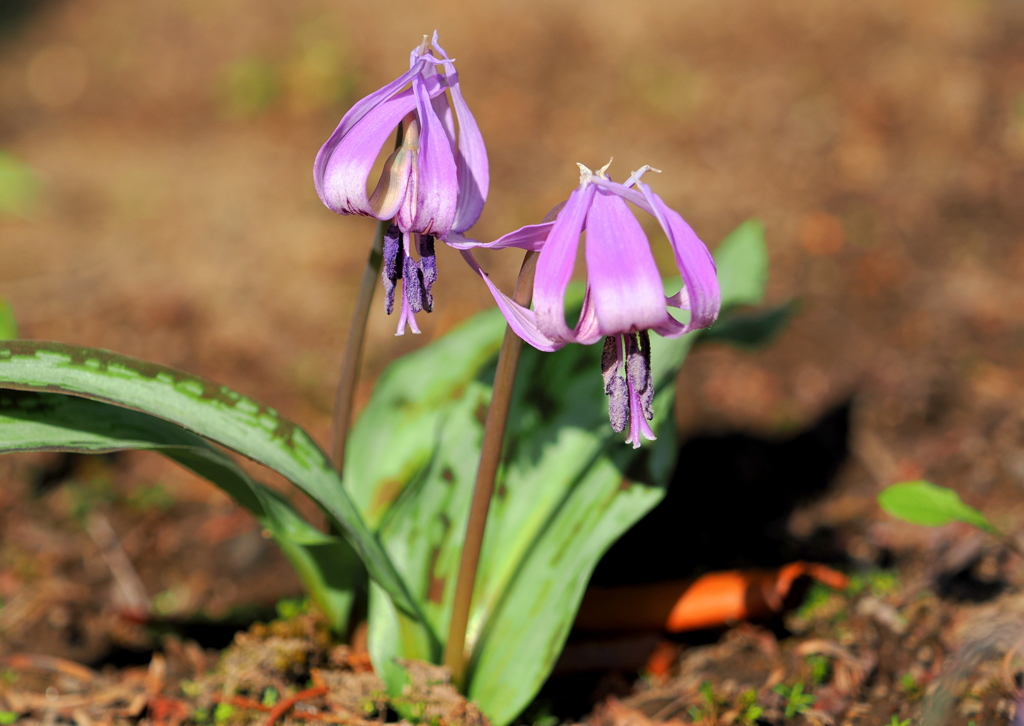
433,185
624,297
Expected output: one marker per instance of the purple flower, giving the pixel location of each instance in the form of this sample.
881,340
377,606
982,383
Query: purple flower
433,185
624,297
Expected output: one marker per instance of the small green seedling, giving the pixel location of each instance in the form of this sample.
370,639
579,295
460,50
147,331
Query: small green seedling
910,686
8,717
895,721
288,608
750,711
270,697
707,711
821,668
223,712
921,502
796,700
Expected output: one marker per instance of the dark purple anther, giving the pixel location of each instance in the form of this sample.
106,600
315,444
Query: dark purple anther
647,394
392,269
413,284
614,384
638,373
428,268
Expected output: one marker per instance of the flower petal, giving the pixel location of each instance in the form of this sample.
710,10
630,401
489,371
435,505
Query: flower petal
470,152
523,321
471,160
430,202
398,170
530,237
588,329
354,116
623,279
672,328
554,267
345,161
693,260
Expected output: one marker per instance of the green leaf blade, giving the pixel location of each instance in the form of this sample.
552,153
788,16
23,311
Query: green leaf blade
31,421
753,329
742,260
921,502
210,410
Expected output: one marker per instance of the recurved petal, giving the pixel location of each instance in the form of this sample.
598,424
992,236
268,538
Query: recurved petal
672,328
355,115
693,260
470,151
554,266
431,199
623,279
471,160
588,328
530,237
523,321
344,162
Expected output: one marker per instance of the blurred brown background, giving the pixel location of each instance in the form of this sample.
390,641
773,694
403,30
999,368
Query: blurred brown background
882,143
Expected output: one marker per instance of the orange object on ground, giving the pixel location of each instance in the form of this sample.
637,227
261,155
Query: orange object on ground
712,600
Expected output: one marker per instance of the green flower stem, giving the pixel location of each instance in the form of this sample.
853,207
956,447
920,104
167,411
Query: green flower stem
490,457
342,419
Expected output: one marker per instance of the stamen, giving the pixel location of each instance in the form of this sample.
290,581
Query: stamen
428,269
641,388
393,263
601,173
614,384
412,287
635,176
647,393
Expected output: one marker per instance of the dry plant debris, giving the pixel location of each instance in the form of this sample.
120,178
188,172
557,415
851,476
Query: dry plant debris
285,672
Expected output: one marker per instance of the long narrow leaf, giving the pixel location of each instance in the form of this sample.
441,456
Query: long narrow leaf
32,421
215,412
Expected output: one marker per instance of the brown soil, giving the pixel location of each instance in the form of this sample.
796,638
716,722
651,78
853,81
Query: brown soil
881,142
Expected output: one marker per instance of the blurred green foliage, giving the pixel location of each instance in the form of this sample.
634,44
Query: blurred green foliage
249,86
19,187
921,502
8,323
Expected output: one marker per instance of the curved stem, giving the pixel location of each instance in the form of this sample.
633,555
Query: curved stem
490,457
342,418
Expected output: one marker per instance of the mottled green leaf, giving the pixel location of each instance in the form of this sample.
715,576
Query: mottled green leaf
210,410
8,323
753,328
568,489
31,421
921,502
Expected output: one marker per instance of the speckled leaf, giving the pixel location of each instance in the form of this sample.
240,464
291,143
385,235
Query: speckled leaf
211,410
568,489
32,421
